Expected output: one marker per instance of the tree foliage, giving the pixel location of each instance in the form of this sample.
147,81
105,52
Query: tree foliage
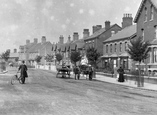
38,58
93,56
49,58
59,57
16,59
5,55
138,49
75,57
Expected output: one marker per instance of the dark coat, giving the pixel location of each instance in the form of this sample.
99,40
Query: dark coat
23,70
121,74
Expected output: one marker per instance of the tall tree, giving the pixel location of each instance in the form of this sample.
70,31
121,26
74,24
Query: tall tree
49,58
75,57
93,57
138,51
5,55
59,57
38,59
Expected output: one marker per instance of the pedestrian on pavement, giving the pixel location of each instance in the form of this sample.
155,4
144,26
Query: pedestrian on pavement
90,73
77,72
121,74
23,71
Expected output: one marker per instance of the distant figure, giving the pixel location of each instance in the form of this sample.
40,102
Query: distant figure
90,73
23,71
121,74
77,72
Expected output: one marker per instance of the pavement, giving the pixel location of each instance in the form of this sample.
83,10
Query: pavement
103,78
128,83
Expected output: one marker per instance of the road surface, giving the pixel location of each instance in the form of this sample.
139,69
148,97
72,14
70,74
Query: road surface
44,94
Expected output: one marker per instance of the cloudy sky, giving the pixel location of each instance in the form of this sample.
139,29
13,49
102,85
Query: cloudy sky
29,19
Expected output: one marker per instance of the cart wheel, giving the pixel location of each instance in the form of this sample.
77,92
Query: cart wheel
20,80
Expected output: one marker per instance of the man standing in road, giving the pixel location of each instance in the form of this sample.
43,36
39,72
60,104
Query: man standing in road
23,71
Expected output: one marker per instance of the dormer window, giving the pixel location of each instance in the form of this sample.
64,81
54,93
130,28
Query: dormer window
151,12
145,16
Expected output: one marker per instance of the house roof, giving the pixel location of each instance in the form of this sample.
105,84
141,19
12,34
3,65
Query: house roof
80,45
39,46
154,2
99,32
124,33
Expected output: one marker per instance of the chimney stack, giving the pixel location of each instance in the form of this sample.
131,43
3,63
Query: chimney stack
94,29
15,50
43,39
21,49
35,40
69,38
61,39
127,20
85,33
75,36
98,27
27,42
107,25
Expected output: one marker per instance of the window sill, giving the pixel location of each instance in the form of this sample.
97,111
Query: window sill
151,20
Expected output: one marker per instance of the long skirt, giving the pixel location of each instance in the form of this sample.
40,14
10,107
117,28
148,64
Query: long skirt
121,78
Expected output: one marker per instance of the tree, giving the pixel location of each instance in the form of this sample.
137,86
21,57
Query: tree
38,58
75,57
5,55
93,57
49,58
59,57
16,59
138,51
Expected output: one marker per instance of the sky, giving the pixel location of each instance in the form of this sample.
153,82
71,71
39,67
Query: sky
28,19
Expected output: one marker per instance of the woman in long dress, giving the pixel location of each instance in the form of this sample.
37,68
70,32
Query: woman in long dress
121,74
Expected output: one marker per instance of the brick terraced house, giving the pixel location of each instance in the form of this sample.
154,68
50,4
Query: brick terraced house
146,20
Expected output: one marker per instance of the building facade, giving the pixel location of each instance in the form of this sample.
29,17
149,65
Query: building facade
99,35
29,51
146,20
115,48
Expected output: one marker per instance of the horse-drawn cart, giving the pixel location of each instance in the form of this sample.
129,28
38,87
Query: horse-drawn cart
63,71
